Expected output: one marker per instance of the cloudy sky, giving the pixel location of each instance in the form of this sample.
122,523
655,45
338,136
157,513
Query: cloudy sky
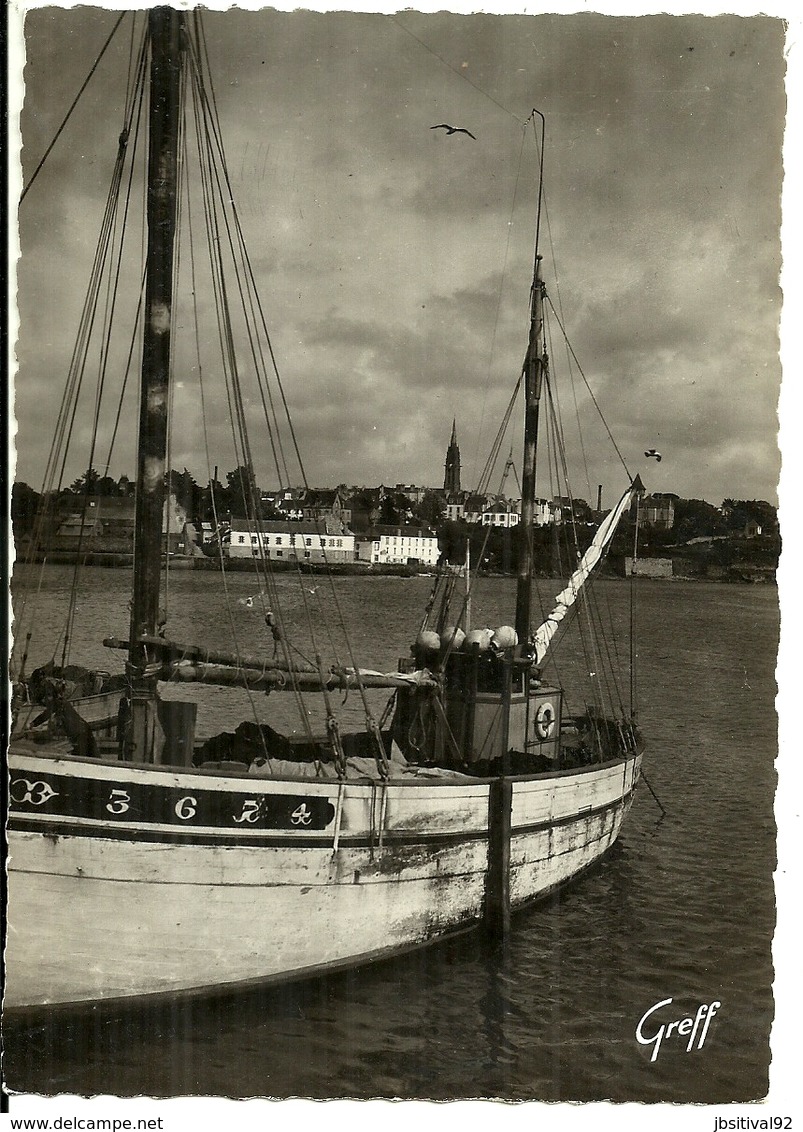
394,261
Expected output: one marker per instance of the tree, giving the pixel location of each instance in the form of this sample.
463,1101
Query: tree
187,492
106,486
25,504
394,508
581,511
694,518
86,484
215,501
739,512
243,493
431,508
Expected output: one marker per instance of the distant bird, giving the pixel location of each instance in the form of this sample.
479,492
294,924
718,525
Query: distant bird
651,453
452,129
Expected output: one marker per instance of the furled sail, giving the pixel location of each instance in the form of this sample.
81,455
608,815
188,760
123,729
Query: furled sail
542,638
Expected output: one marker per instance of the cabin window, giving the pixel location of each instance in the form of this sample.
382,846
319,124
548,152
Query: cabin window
279,553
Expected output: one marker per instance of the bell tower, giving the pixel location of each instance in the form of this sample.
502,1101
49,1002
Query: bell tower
451,479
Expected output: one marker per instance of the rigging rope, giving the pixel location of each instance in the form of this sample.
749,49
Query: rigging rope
459,74
84,85
590,390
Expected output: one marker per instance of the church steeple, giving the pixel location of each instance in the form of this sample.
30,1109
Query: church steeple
451,479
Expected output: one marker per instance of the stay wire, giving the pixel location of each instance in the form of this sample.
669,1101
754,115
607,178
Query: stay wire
590,390
209,179
458,73
236,404
499,293
75,101
211,113
109,236
355,668
134,132
199,363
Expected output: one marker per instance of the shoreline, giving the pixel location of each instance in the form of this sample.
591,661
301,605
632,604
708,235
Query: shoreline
120,561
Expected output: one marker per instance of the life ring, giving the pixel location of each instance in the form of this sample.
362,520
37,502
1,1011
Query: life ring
545,720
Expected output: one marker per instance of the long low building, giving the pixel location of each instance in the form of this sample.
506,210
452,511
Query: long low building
301,540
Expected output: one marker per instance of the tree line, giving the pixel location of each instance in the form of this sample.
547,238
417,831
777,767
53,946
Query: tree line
238,496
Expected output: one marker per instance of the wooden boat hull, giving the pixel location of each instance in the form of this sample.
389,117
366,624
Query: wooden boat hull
127,882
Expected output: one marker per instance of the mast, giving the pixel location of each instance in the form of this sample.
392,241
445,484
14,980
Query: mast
165,28
535,366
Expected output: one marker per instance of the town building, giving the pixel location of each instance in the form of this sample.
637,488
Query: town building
108,522
456,507
411,492
501,514
402,546
473,507
657,511
547,512
290,540
287,501
327,504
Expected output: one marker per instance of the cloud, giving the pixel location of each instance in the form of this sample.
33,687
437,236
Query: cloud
394,261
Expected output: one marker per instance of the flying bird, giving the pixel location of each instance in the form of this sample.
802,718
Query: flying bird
452,129
651,453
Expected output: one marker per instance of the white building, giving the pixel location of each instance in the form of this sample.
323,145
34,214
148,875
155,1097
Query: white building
546,512
501,515
321,541
401,546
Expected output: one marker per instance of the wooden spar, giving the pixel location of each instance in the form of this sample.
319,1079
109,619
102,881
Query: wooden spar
497,881
497,890
497,906
497,893
339,679
535,365
500,801
174,650
165,27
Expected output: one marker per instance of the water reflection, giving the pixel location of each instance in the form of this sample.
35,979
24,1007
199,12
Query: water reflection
683,907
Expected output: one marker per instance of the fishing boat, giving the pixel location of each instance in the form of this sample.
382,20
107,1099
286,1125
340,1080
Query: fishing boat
144,862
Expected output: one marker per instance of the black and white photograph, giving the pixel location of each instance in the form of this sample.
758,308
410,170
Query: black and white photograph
400,451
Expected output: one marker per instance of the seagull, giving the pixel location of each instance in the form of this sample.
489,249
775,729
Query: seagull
651,453
452,129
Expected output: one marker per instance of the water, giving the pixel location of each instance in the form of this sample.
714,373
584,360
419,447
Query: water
683,907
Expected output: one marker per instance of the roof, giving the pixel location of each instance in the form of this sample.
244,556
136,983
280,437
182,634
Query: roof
321,497
289,526
397,530
108,506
